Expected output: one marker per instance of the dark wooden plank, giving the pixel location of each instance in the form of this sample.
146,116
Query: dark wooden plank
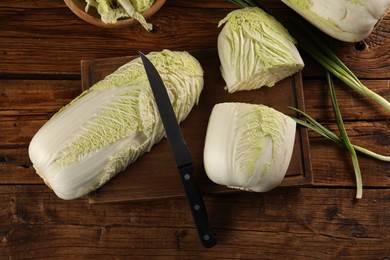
41,98
353,106
16,167
278,224
56,44
35,97
333,165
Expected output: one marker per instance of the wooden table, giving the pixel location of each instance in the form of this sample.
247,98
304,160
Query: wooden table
41,45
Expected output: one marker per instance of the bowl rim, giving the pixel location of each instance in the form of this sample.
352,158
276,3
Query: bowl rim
76,9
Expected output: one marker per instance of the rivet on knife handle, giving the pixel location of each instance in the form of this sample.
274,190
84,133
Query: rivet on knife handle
198,208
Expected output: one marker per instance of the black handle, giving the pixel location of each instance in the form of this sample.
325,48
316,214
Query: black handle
198,209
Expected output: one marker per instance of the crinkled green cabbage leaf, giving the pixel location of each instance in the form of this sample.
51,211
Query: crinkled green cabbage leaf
113,10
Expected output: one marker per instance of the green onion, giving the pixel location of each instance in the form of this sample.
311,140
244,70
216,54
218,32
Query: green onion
317,127
345,138
323,131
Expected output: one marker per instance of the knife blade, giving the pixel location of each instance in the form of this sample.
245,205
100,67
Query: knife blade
181,154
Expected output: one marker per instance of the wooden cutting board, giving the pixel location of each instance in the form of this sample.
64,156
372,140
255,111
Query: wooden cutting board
154,175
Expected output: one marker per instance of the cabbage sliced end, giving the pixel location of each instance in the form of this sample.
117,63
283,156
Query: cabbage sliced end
248,146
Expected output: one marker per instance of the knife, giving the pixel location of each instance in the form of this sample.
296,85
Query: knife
181,154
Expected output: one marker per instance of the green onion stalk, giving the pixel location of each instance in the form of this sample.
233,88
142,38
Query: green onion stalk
314,125
345,138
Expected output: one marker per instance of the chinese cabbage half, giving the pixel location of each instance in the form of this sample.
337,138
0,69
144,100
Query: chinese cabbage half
111,124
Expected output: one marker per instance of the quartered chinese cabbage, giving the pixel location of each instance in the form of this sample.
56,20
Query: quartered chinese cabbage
111,124
255,50
248,146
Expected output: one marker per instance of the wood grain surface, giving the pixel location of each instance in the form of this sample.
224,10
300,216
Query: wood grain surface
41,46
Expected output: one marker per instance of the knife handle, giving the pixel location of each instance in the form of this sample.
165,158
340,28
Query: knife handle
198,208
